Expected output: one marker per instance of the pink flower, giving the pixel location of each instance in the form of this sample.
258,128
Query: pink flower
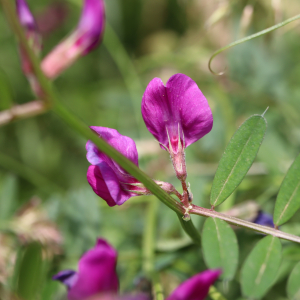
96,274
177,115
83,40
106,177
96,279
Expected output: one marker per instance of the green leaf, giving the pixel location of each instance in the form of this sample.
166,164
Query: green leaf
238,158
293,287
8,193
260,268
30,272
220,247
288,199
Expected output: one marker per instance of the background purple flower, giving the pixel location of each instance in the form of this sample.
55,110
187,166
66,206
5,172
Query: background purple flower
96,273
178,109
196,287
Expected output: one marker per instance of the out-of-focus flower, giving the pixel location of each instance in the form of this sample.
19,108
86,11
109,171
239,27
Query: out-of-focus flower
96,273
84,39
96,279
32,224
107,178
28,23
177,115
264,219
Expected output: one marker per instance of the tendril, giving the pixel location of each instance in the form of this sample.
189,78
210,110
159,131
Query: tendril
248,38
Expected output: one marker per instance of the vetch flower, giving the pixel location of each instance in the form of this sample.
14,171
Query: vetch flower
83,40
177,115
107,178
96,273
196,287
96,279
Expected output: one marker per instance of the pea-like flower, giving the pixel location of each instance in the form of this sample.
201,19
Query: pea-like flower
177,115
83,40
96,273
107,178
96,279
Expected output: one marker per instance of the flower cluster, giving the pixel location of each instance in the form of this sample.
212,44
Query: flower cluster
97,279
87,35
177,115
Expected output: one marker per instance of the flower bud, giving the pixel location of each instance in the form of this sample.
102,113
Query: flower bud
34,39
84,39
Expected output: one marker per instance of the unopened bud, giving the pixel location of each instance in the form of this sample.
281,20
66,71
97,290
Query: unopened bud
84,39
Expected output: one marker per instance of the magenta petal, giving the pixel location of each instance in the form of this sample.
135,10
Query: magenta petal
123,144
91,25
106,185
179,104
196,287
25,15
97,272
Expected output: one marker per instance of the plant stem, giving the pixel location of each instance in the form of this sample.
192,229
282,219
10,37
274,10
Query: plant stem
242,223
22,111
248,38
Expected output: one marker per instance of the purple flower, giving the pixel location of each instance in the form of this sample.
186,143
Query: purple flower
97,279
84,39
25,16
264,219
177,115
196,287
106,177
96,274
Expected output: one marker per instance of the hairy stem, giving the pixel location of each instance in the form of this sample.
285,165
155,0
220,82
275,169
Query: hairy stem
242,223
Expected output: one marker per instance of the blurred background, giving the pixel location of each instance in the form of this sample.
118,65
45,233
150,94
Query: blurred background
44,194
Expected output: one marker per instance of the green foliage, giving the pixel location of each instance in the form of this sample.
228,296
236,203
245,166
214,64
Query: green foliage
260,268
220,247
293,288
29,276
238,158
288,199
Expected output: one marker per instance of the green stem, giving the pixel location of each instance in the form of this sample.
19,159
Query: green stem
248,38
149,248
190,229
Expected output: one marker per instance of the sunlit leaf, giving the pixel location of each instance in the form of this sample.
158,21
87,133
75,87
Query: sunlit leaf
293,286
288,199
238,158
260,268
220,247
